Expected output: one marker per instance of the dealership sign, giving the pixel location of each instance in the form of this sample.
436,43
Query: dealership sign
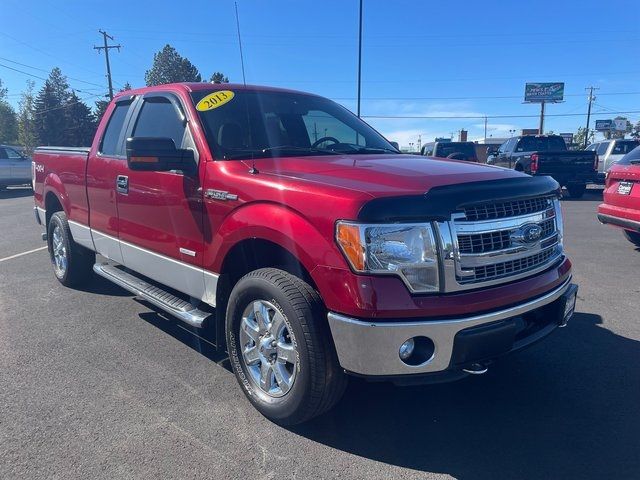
604,125
544,92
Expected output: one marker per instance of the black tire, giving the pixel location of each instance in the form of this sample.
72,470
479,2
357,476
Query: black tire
79,260
633,237
318,382
576,190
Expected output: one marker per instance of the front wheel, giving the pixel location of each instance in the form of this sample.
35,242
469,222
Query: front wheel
633,237
280,347
576,190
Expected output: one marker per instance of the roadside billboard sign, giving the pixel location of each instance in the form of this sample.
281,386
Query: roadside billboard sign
568,138
620,125
604,125
544,92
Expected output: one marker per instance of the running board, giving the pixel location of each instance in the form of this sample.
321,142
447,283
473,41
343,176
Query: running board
158,297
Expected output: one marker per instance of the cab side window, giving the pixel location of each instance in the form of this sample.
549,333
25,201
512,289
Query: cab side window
111,143
159,118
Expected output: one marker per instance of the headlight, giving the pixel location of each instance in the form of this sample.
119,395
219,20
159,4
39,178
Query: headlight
406,250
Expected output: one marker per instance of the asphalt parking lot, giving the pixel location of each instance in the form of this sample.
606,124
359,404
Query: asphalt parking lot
94,384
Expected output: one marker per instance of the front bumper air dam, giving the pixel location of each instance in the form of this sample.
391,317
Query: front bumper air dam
370,348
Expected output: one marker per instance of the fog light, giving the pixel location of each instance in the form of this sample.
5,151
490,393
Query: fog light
406,349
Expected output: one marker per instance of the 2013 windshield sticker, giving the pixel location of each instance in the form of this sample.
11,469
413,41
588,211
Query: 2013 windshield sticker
215,100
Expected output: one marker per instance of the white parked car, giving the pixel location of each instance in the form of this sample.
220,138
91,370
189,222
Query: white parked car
610,151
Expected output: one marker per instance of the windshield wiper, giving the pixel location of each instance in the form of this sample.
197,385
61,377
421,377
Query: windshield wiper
634,162
376,150
275,150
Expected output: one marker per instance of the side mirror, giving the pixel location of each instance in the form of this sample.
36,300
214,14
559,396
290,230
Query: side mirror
158,154
395,145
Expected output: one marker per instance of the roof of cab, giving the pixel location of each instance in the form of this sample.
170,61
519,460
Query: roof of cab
203,86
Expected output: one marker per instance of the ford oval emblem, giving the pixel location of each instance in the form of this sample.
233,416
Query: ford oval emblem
529,233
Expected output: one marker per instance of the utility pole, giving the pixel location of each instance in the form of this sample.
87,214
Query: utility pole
591,99
359,58
485,127
106,49
541,128
419,142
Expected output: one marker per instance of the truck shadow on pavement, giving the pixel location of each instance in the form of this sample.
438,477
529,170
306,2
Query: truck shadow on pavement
566,408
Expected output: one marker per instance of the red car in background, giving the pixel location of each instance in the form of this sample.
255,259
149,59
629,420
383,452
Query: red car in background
621,206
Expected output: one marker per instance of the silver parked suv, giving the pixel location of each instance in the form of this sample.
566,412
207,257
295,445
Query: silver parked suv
610,151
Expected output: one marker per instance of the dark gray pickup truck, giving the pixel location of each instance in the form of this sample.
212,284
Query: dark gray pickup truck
548,155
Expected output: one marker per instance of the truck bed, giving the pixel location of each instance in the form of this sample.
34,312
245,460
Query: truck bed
62,169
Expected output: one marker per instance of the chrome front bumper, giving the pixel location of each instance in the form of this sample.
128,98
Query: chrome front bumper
371,348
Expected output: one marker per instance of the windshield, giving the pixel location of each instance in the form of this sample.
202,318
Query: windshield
540,144
467,149
257,124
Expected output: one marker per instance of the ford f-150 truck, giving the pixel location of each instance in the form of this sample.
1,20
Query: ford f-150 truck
548,155
310,256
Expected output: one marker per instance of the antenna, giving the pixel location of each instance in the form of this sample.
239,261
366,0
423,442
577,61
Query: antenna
244,80
253,170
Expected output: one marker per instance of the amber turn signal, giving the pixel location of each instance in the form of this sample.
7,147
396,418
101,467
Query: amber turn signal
348,237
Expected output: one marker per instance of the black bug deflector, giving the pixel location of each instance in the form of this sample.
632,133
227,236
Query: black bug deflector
439,203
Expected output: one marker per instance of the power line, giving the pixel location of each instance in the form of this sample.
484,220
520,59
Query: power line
454,117
38,77
479,97
47,71
106,49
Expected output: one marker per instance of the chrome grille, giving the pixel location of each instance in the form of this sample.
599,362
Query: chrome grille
512,208
489,244
484,242
504,269
497,240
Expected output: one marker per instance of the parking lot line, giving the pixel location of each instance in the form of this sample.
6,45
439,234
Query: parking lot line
21,254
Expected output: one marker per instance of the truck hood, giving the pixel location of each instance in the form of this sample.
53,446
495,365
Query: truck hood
381,175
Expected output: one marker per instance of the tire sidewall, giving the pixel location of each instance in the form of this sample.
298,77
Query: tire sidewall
57,221
245,292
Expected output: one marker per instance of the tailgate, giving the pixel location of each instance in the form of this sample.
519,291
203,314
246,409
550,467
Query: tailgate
623,187
562,162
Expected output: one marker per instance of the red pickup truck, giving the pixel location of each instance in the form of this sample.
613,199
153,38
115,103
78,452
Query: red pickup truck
311,247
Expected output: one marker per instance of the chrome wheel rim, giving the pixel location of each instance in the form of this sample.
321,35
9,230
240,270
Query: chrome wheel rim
268,348
59,252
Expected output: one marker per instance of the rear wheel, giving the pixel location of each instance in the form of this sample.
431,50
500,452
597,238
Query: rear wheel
576,190
72,263
280,347
633,237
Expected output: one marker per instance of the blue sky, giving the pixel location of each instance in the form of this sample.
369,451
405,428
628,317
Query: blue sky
420,58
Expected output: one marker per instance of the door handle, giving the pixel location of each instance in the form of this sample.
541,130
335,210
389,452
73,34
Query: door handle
122,184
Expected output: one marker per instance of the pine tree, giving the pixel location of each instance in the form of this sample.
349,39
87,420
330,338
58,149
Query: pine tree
79,122
169,67
27,135
8,119
49,105
219,77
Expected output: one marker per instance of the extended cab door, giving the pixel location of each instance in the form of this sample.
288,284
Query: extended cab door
104,165
160,213
5,167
